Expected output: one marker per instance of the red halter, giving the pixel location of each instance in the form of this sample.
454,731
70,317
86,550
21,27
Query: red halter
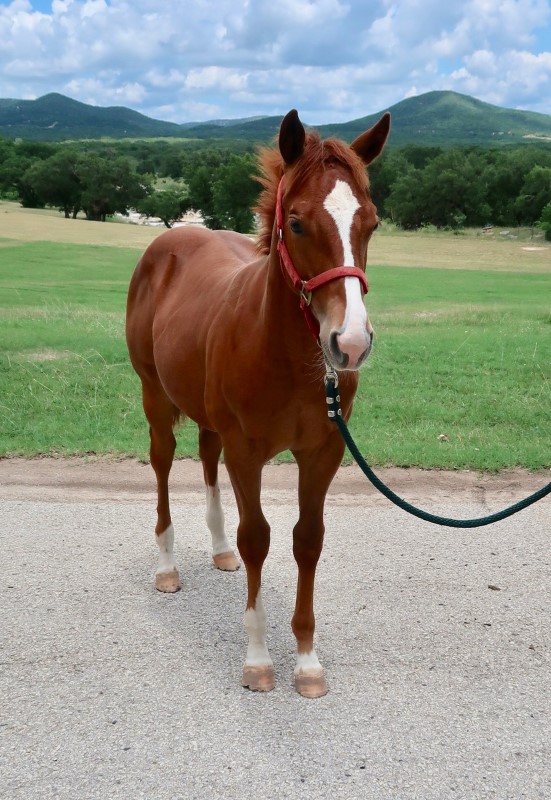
305,288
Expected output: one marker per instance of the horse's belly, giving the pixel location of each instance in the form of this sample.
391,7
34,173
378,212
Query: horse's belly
182,374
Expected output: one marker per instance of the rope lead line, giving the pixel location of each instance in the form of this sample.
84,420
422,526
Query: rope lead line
335,414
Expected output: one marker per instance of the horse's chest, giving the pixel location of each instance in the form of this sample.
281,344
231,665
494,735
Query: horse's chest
274,413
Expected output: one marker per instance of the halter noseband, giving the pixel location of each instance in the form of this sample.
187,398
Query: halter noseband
305,288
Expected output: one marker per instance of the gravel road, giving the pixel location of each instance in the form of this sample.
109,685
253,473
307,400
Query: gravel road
436,644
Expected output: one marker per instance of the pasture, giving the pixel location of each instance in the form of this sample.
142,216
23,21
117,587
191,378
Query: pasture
460,376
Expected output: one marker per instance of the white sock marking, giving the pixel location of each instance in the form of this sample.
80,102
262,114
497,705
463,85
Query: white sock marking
215,521
255,623
165,541
307,663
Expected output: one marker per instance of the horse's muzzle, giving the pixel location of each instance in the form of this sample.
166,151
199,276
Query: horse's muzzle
349,352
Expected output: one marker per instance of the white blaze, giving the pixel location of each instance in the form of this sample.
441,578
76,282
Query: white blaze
342,204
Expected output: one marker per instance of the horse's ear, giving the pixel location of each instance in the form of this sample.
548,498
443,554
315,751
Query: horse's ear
370,144
291,137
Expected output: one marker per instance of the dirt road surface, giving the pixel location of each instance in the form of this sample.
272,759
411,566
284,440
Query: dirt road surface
436,643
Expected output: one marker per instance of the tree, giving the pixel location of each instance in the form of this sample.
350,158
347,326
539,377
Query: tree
234,193
404,204
534,195
16,160
450,191
419,156
109,186
55,181
455,192
168,204
544,222
383,174
199,169
201,196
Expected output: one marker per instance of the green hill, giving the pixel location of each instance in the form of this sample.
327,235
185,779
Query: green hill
435,118
55,117
448,118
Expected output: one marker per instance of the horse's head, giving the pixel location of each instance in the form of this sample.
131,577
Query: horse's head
325,221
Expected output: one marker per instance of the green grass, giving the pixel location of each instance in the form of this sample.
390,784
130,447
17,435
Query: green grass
460,376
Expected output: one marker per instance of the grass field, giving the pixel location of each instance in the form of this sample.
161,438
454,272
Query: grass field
460,377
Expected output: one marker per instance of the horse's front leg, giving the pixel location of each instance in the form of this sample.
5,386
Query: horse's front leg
316,471
253,542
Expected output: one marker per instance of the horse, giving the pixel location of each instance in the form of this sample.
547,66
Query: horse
219,329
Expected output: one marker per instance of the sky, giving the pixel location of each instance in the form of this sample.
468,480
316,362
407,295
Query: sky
333,60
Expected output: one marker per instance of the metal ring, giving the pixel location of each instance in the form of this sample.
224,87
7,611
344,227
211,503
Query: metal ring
307,298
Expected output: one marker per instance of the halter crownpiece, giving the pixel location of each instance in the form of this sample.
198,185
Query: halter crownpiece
305,288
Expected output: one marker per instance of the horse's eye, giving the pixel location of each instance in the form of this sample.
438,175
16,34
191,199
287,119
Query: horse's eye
296,226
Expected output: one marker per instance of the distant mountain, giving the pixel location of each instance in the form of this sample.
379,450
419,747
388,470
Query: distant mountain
435,118
55,117
447,118
223,123
258,129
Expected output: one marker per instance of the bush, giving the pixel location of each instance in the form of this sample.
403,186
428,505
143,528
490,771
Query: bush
544,222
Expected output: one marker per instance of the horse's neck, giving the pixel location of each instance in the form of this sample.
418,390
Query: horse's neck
284,320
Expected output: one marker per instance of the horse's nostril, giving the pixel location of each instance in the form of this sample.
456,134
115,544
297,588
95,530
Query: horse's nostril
340,358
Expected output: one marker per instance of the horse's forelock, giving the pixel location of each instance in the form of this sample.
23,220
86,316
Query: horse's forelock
317,153
271,169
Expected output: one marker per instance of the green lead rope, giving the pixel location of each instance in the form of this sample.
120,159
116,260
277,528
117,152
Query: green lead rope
335,414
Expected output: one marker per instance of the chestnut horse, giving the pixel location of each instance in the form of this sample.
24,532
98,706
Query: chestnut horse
216,331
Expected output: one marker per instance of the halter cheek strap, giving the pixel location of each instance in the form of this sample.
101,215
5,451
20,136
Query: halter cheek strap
305,288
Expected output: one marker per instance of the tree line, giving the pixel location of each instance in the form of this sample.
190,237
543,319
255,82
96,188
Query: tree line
413,186
464,187
101,181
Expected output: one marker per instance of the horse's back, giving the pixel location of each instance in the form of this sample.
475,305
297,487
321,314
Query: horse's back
180,253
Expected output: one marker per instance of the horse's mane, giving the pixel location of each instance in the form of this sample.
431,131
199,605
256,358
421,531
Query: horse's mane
316,153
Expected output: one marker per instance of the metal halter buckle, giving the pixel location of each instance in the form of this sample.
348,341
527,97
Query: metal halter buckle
306,297
331,375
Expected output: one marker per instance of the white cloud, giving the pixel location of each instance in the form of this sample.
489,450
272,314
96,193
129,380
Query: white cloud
333,59
223,79
516,79
60,7
93,7
94,92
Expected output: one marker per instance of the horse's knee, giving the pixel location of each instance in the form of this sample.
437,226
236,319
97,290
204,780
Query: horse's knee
253,540
308,543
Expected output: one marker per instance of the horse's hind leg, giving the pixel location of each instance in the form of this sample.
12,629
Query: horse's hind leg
161,415
210,448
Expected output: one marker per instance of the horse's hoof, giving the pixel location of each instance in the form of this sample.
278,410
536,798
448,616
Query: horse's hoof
226,561
311,684
167,581
258,679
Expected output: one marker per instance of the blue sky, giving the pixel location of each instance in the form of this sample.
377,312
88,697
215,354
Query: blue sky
334,60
